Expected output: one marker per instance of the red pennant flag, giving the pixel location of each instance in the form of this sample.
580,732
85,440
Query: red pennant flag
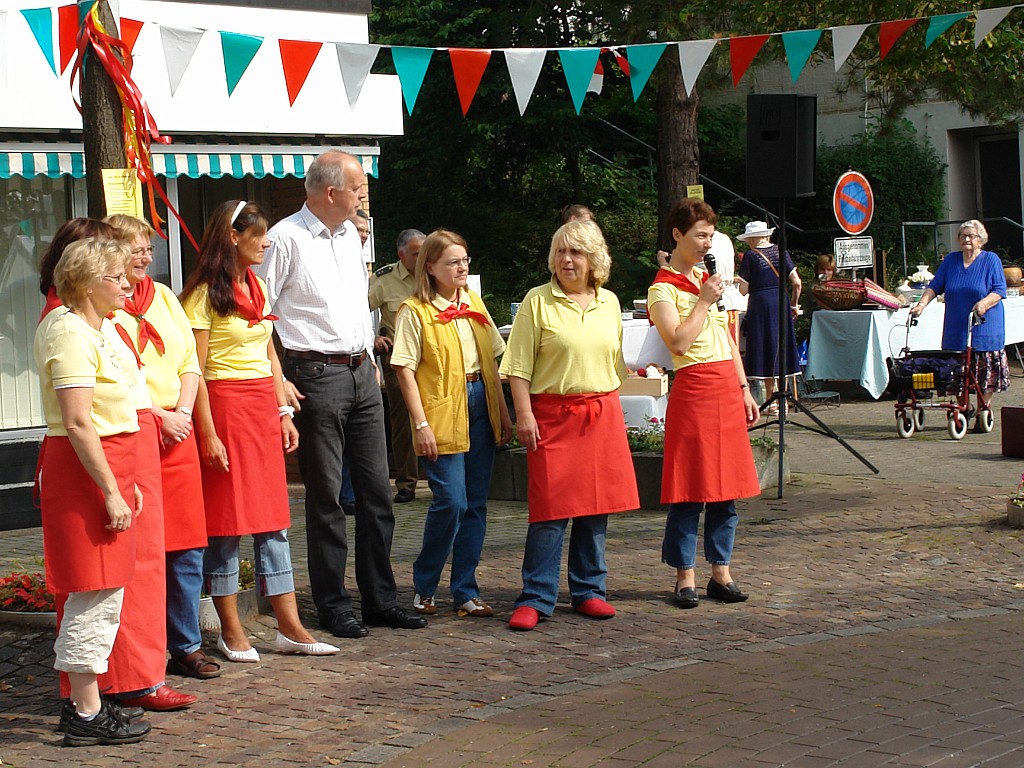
742,51
891,31
67,33
297,57
130,29
468,66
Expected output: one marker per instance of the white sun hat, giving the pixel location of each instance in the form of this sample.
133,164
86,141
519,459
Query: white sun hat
755,230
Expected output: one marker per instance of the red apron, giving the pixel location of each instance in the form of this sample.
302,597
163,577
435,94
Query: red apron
582,465
707,452
139,656
81,555
252,497
184,513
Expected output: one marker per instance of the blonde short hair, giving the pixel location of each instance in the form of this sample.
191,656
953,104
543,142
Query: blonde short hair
130,227
435,244
977,226
83,262
586,237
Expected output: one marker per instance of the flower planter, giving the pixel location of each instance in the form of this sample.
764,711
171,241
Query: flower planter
249,604
29,618
508,476
647,468
766,460
1014,514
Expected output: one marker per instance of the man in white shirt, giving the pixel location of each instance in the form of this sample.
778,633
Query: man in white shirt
317,286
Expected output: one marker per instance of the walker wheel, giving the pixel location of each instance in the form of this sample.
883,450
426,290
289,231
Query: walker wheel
957,425
904,425
919,418
984,423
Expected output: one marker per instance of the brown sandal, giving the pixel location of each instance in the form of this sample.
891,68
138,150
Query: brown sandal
196,664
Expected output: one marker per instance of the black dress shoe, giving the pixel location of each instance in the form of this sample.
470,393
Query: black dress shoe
404,496
730,593
345,625
687,597
396,618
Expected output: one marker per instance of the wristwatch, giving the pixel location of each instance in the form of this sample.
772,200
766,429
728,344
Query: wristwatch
185,410
422,425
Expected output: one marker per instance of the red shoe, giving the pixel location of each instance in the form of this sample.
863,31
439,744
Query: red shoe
595,608
163,699
524,618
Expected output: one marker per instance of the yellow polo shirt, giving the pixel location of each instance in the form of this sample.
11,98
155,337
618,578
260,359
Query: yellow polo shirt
562,349
236,351
712,343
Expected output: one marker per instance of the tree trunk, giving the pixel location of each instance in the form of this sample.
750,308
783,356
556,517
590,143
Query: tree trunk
102,122
678,155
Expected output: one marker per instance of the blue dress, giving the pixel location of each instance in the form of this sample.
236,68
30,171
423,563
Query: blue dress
963,288
762,322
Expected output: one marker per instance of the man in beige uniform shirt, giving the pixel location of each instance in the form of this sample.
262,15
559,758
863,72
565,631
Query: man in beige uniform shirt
389,287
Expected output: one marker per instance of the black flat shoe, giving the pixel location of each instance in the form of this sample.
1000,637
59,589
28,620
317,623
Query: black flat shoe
345,625
687,597
395,618
730,593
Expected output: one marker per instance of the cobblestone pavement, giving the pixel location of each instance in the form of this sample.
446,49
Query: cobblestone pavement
883,629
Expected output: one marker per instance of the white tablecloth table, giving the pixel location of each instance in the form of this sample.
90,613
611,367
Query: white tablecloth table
853,345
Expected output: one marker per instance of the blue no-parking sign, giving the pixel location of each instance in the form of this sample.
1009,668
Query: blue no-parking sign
853,202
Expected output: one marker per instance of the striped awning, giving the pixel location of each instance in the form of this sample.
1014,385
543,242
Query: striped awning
174,164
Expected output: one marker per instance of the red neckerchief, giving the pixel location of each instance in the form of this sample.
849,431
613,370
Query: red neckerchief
251,307
462,310
127,339
52,303
680,281
137,305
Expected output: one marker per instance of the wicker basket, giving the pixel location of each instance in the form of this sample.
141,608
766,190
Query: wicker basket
840,294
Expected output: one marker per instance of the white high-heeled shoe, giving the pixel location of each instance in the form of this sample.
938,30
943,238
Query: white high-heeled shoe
286,645
249,656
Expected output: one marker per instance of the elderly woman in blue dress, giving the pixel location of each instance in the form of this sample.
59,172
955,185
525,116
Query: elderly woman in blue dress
972,280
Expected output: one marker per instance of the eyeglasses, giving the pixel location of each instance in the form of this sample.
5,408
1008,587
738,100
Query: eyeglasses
965,236
115,278
456,263
148,251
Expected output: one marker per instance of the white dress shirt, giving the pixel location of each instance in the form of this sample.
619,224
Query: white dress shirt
317,286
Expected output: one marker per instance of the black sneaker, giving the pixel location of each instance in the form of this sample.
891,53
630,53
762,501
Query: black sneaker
108,727
68,711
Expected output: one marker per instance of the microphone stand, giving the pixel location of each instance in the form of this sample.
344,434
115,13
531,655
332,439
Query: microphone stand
781,393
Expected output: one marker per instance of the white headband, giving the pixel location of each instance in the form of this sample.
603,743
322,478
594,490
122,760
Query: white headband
238,210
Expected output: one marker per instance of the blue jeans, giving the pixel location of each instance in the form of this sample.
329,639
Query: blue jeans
543,558
184,586
273,561
457,518
679,549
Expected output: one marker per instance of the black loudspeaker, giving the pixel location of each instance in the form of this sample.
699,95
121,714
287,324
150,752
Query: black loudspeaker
782,148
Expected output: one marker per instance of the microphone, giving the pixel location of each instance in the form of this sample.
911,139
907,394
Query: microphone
712,267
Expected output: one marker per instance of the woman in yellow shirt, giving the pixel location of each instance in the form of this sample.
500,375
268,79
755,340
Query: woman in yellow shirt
564,363
444,356
708,461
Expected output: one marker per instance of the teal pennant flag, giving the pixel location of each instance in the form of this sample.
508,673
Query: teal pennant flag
799,47
239,51
40,21
642,60
411,65
578,66
939,24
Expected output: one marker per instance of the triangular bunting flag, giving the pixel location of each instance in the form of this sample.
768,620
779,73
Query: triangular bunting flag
130,29
239,50
179,46
67,34
597,79
986,21
891,31
693,55
3,47
468,65
411,65
578,66
939,24
40,21
523,70
355,61
844,40
642,61
742,51
799,47
297,57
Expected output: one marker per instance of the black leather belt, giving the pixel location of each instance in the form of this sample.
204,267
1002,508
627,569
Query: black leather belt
353,361
471,377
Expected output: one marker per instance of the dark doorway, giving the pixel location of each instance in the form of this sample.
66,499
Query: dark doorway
999,193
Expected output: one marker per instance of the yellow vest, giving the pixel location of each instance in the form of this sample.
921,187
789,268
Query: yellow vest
441,377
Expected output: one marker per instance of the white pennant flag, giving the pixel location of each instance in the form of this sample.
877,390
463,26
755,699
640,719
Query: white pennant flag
693,55
179,46
987,21
524,68
355,60
844,40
